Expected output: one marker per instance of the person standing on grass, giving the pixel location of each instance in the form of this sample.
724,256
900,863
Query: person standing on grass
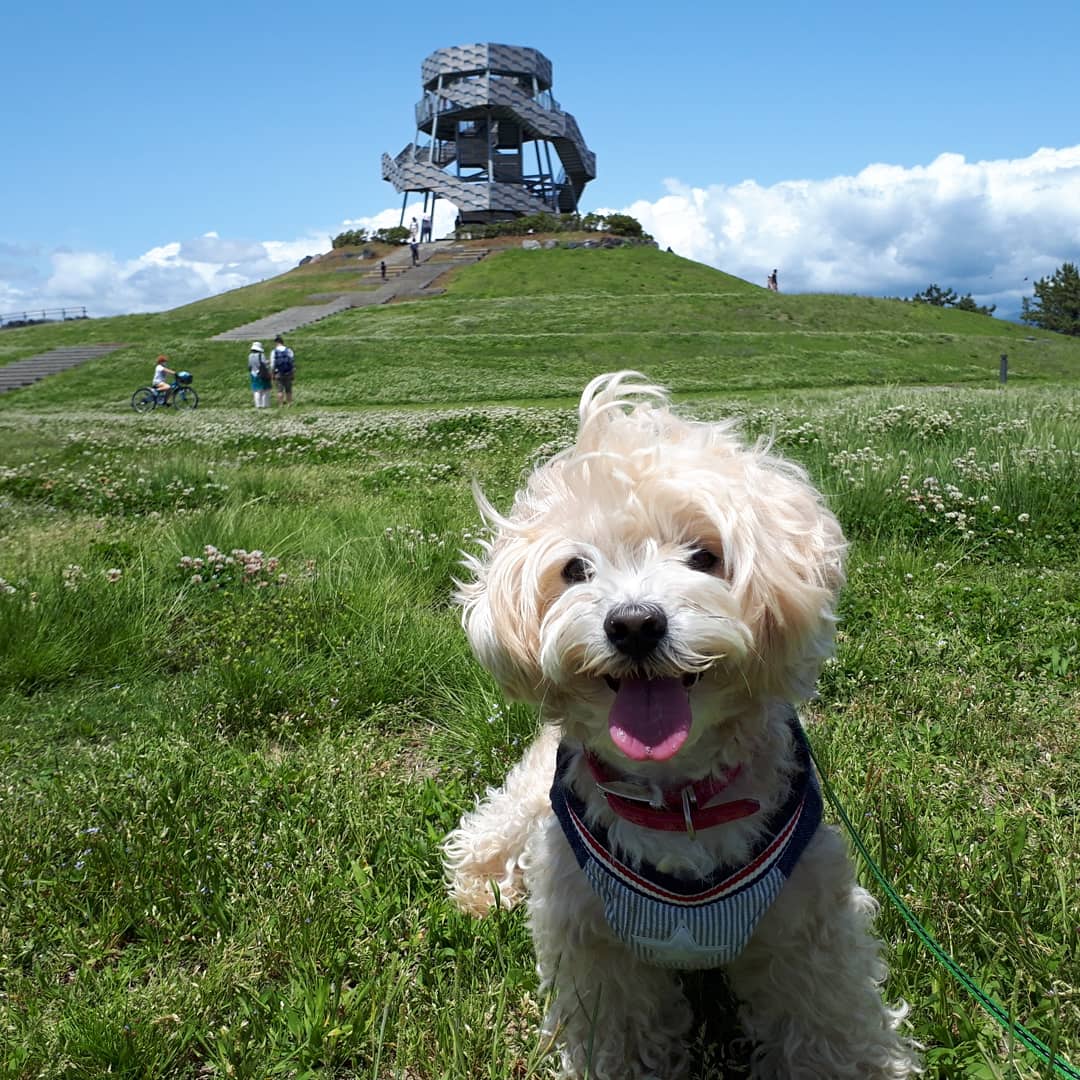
283,367
259,370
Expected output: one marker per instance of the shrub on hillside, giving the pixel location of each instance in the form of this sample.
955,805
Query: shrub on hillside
624,225
397,234
521,226
350,238
615,224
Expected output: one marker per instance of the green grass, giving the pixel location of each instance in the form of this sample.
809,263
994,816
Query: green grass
565,313
223,784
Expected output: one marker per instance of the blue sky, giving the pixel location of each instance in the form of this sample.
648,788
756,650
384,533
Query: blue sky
155,154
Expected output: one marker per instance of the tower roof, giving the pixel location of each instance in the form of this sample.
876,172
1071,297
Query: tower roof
478,58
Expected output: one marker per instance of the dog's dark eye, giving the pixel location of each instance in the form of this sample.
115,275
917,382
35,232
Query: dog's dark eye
704,560
576,571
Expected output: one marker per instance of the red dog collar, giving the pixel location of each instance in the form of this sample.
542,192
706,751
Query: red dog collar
683,809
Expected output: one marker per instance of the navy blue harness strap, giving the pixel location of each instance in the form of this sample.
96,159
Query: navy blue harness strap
675,922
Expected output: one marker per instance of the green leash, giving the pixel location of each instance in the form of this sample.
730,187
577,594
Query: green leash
1043,1052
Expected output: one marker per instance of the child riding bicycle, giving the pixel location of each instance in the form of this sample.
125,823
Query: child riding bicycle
162,375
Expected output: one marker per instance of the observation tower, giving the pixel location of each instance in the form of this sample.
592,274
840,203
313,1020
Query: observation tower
490,136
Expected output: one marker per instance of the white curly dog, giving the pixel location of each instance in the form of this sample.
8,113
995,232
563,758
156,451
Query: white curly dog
665,593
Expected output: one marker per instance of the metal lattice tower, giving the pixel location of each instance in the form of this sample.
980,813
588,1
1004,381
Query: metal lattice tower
485,131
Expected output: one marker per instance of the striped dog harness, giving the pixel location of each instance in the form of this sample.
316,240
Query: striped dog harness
674,923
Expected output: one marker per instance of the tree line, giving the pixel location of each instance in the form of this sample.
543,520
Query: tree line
1055,305
936,296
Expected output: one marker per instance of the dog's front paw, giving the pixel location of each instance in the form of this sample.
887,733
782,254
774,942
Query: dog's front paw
484,856
480,875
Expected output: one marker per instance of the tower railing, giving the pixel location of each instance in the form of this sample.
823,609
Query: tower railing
485,111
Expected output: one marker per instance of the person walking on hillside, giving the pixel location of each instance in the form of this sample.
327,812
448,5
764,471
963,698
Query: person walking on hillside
773,283
283,367
259,371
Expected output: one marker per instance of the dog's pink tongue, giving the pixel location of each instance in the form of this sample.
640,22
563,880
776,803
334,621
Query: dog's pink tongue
650,718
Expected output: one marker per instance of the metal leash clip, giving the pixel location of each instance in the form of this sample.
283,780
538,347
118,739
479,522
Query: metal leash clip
626,789
688,798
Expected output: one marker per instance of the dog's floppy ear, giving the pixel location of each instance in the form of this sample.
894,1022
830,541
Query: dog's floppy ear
793,578
500,607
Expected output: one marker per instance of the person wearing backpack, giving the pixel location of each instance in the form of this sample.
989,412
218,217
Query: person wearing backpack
283,366
259,371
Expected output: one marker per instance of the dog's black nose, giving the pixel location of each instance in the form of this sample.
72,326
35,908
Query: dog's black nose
635,629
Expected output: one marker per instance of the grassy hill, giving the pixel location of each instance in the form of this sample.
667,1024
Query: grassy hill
238,713
560,313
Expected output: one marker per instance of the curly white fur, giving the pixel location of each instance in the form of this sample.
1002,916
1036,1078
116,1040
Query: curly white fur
621,518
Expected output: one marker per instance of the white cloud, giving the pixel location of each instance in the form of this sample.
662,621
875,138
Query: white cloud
171,274
166,276
445,213
981,227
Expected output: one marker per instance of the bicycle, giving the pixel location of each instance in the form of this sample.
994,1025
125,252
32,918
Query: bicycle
180,395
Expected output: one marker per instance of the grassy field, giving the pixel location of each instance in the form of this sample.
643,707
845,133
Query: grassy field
237,713
555,314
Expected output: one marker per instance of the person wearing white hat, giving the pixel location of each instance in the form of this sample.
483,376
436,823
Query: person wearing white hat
259,371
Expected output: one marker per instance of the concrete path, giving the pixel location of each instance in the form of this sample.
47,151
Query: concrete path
283,322
404,281
32,368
